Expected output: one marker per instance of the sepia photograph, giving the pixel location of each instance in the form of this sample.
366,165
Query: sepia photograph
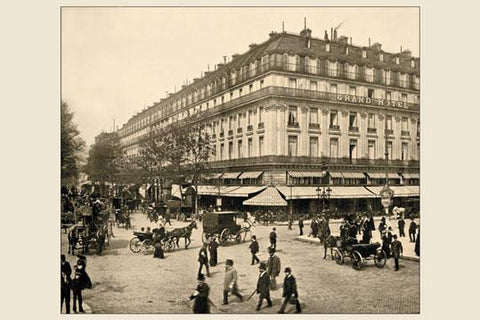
240,160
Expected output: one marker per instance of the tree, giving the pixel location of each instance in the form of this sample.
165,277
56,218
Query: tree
104,159
71,146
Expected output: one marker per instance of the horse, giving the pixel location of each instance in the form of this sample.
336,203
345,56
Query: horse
331,242
184,232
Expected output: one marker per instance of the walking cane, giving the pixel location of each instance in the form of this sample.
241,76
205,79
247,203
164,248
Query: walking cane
251,295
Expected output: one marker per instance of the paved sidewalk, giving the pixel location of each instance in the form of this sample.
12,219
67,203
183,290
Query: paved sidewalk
408,247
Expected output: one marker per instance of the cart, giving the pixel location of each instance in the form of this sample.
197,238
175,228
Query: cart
223,226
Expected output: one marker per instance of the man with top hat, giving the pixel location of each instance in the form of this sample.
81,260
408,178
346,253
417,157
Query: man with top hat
273,268
273,239
201,303
412,230
397,250
263,286
203,259
300,225
230,282
213,249
254,250
289,291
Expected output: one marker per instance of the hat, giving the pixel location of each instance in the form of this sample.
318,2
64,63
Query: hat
262,266
201,277
287,269
271,250
229,262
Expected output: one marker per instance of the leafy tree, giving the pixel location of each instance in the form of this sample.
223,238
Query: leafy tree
71,146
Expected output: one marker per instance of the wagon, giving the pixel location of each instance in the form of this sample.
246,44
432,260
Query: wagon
223,226
359,253
144,241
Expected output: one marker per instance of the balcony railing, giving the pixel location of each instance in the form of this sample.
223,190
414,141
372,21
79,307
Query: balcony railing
405,133
371,130
353,129
334,127
314,125
222,134
239,130
230,132
249,127
261,125
388,131
293,124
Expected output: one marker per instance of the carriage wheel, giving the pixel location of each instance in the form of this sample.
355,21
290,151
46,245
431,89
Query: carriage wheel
238,237
338,256
223,239
182,217
167,245
357,260
147,246
380,258
135,245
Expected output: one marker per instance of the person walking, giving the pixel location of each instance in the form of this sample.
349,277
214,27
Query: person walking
201,303
300,225
366,234
263,287
167,218
254,250
387,241
273,239
203,260
273,268
65,283
230,282
397,250
412,229
78,284
401,227
314,227
417,242
213,249
289,291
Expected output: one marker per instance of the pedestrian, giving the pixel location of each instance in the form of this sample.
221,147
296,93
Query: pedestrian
290,293
367,234
65,283
382,226
314,227
397,250
80,282
290,222
230,282
167,218
386,241
412,229
263,286
202,302
158,235
417,243
213,249
273,239
254,250
203,260
401,227
300,225
273,268
371,223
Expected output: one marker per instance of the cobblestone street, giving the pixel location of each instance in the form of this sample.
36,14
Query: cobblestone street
125,282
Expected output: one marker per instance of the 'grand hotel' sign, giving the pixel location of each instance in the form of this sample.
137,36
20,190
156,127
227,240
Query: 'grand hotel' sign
372,101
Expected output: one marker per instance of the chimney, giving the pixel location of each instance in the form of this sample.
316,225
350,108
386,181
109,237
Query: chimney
369,44
271,34
335,34
306,33
350,40
331,33
343,39
235,56
406,53
325,36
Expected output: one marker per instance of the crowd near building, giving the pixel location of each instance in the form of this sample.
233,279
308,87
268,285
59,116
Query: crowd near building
306,115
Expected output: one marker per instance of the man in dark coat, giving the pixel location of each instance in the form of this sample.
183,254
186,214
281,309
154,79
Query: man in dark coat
273,239
273,268
401,227
203,260
397,251
314,226
417,243
386,241
412,229
213,249
65,283
263,286
300,225
371,223
366,234
78,285
201,303
254,250
289,291
167,218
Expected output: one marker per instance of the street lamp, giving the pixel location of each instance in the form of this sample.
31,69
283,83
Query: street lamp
323,192
386,194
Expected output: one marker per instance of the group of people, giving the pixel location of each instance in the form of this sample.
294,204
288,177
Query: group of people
268,272
75,285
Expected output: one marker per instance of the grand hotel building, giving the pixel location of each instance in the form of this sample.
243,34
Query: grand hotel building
298,112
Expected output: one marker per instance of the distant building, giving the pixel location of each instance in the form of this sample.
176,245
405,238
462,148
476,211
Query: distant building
299,112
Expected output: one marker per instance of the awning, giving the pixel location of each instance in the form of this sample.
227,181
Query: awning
213,176
269,197
250,175
242,191
381,175
231,175
341,192
176,191
399,191
353,175
411,175
211,190
142,191
336,174
305,174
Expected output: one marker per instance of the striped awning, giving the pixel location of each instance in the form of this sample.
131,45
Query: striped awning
306,174
241,191
381,175
213,176
399,191
353,175
231,175
335,174
342,192
250,175
411,175
270,197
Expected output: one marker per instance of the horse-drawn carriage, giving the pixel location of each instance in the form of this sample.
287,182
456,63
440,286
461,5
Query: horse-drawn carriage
90,234
144,241
121,212
358,253
224,226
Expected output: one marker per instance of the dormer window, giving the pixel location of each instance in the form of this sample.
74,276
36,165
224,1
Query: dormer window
412,63
364,53
327,47
346,51
397,60
380,57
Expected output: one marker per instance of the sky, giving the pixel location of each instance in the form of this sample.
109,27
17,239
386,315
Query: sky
117,61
